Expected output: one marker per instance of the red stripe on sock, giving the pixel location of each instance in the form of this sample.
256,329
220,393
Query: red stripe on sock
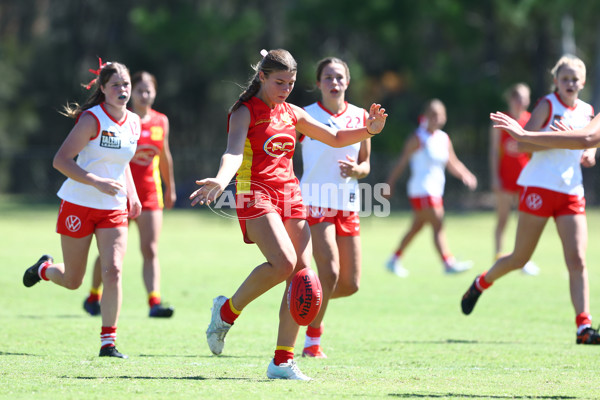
43,269
482,284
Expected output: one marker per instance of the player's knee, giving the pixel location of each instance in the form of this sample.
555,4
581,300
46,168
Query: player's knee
111,276
576,265
348,289
73,283
284,267
149,252
328,275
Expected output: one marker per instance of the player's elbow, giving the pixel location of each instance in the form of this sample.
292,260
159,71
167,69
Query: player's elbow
591,141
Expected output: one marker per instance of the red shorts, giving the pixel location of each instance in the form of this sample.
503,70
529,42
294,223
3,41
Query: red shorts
258,203
79,221
509,174
420,203
151,200
347,223
548,203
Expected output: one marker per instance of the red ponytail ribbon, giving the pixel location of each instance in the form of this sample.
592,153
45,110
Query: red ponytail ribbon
96,72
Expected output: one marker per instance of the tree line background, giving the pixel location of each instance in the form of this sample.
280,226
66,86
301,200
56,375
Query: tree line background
400,53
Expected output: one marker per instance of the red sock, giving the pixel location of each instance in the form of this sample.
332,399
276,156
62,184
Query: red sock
314,332
108,336
398,253
228,313
95,295
481,283
283,354
42,270
153,299
583,319
448,259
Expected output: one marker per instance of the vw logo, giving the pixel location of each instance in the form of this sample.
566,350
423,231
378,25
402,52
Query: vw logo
533,201
73,223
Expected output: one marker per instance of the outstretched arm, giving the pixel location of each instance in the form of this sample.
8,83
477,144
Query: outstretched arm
584,138
310,127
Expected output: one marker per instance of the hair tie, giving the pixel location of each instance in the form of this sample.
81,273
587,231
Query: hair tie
96,72
264,53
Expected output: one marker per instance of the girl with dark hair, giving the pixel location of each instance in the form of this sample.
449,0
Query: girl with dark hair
330,190
95,195
151,165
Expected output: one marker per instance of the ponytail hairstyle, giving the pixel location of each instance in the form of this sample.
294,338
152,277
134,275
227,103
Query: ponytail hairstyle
104,72
331,60
273,61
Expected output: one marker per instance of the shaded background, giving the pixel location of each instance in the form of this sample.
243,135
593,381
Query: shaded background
400,53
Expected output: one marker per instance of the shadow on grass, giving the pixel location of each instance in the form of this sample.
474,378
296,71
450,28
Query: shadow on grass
198,356
167,378
472,396
4,353
185,378
53,316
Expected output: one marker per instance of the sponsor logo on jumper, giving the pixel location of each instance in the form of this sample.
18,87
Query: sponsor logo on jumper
263,121
110,140
73,223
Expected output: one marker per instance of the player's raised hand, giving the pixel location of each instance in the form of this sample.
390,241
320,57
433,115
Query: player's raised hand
561,126
210,189
376,119
508,124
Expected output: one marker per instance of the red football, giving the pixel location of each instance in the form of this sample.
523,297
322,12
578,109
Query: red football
304,296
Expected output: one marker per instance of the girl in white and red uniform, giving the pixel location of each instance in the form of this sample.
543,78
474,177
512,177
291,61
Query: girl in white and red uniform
429,151
261,141
330,190
151,162
553,187
96,193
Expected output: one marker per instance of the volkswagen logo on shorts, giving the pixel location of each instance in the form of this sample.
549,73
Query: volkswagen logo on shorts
73,223
533,201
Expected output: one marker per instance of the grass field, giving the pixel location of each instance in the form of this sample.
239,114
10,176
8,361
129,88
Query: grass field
396,338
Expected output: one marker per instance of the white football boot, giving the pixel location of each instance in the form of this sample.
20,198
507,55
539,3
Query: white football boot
287,370
394,265
456,267
217,329
530,268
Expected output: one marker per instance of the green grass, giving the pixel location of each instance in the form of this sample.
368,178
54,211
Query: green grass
396,338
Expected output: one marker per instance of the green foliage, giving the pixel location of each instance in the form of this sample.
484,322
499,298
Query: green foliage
401,53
